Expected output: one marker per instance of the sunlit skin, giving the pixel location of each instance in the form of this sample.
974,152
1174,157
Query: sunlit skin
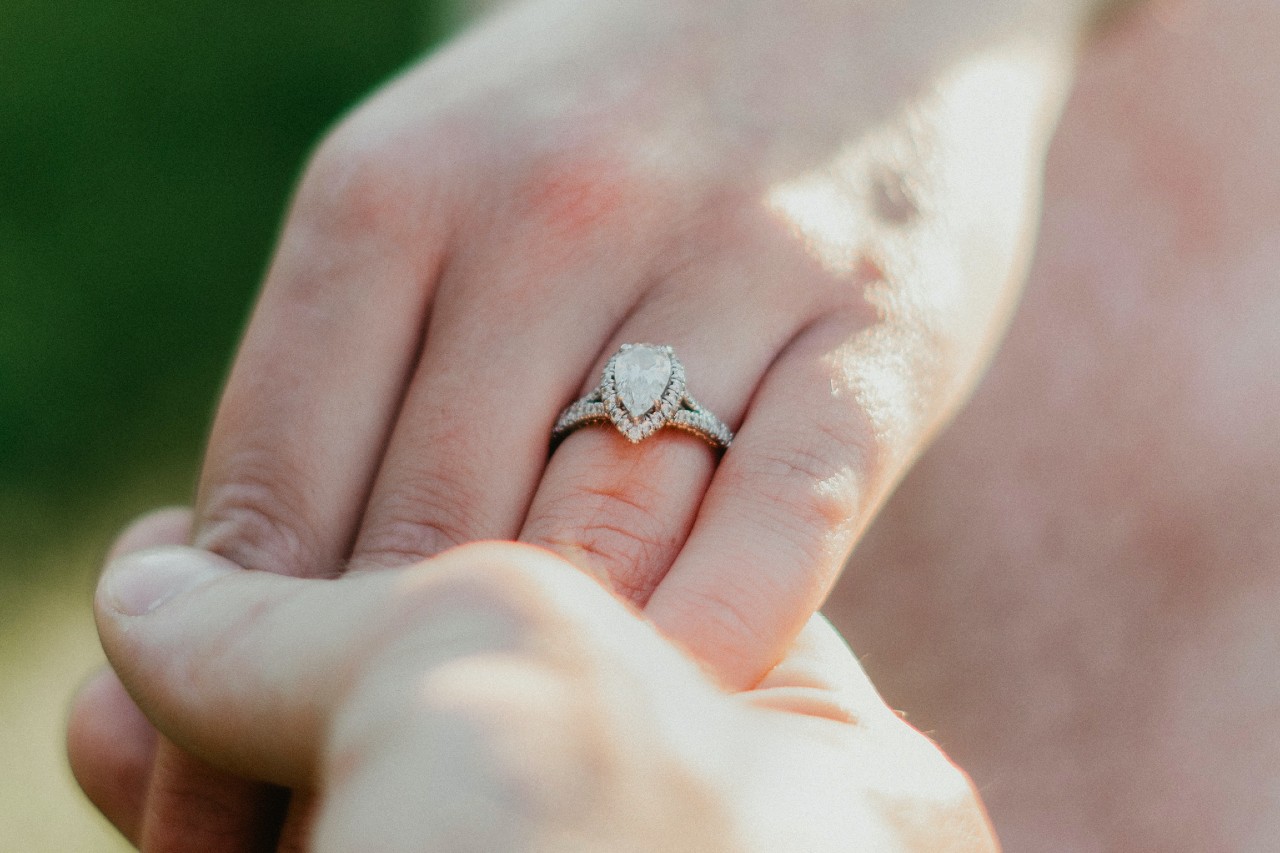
826,208
1076,590
495,698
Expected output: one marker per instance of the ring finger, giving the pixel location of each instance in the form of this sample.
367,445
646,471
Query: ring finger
621,511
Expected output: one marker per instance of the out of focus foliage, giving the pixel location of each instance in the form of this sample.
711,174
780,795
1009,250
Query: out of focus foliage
147,151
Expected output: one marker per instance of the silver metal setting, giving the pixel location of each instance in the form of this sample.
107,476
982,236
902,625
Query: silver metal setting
628,396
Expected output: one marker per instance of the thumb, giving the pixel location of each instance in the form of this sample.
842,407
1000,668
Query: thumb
249,670
235,666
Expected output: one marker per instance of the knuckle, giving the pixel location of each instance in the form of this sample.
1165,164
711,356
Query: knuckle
904,372
618,530
423,516
358,181
810,490
401,541
257,517
803,478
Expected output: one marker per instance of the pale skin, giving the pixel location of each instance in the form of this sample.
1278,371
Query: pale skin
831,239
507,702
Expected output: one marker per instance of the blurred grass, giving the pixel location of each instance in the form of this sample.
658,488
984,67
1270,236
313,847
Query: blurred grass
48,649
146,155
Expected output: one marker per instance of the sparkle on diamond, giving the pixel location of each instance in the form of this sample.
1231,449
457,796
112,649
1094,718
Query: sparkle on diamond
641,374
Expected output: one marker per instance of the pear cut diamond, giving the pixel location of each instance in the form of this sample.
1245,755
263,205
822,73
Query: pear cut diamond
641,374
642,392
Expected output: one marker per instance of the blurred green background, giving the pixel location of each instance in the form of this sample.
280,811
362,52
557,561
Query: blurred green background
146,155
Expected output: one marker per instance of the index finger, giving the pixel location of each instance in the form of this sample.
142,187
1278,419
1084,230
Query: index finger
320,372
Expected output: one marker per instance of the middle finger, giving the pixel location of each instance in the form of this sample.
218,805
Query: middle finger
507,342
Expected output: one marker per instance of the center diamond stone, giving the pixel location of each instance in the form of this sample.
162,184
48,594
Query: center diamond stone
641,374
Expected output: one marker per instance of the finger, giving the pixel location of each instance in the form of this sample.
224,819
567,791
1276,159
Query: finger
820,677
192,805
110,746
620,510
819,450
371,675
168,526
886,759
145,637
305,413
484,732
472,437
184,802
320,372
186,631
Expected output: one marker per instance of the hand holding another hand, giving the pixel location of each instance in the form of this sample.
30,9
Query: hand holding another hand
824,207
494,698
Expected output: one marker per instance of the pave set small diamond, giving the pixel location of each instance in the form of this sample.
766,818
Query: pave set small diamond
642,391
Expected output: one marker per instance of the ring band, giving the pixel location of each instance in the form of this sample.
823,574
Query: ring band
641,391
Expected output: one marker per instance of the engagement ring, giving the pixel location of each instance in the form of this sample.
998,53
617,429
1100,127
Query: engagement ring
642,391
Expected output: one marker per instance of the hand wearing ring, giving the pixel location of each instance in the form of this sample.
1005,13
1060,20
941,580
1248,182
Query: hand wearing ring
641,391
827,219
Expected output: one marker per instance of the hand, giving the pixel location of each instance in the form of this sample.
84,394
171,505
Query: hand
823,206
495,694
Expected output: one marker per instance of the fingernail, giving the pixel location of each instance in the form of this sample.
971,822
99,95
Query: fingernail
139,583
